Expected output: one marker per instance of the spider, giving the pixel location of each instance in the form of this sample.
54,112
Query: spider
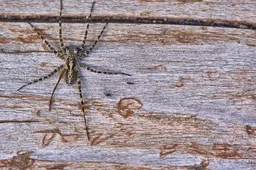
71,66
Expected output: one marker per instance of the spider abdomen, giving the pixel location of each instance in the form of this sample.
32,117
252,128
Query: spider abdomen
71,76
71,73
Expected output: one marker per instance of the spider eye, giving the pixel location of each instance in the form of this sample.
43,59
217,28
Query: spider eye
77,49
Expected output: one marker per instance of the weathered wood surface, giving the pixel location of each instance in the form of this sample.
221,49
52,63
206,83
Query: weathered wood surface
189,104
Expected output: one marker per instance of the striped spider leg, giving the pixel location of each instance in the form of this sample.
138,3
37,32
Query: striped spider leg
71,66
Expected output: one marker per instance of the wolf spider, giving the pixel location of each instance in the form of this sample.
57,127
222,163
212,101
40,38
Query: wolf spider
71,66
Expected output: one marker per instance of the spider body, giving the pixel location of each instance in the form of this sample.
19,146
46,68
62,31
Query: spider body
71,66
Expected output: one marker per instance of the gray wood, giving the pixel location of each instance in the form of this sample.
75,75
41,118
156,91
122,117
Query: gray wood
243,10
190,102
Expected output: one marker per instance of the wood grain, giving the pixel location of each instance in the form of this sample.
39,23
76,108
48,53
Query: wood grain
189,104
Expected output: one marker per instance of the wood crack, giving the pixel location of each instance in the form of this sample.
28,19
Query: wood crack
19,121
130,19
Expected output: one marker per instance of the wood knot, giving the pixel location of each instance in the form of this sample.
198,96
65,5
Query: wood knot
127,106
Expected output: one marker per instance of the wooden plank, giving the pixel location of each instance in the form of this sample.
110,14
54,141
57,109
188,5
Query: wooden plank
230,10
190,102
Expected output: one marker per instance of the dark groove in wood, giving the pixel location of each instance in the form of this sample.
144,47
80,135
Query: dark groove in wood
19,121
132,19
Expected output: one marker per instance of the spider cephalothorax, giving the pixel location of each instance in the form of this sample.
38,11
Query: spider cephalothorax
71,59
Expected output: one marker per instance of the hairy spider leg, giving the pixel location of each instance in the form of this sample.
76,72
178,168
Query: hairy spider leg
101,72
96,41
87,27
50,101
42,78
82,103
47,43
60,29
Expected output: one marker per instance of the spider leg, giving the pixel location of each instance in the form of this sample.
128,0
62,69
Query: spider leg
60,28
101,72
50,101
82,103
42,78
47,43
87,27
96,41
